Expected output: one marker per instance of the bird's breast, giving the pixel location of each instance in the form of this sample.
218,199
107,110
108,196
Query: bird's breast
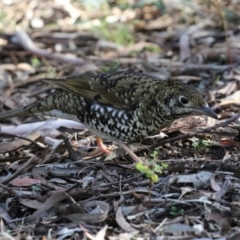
109,122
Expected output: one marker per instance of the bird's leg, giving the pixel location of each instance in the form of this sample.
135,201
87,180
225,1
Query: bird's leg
101,148
129,151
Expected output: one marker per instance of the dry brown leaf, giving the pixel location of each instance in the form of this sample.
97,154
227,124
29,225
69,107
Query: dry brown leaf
15,144
4,215
50,202
198,179
219,219
24,182
31,203
100,214
176,228
160,23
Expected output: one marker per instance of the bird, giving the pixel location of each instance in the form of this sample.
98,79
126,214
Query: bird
123,106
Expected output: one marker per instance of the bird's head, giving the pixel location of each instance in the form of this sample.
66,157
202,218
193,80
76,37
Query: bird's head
184,100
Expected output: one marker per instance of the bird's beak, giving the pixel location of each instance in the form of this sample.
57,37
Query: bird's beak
208,112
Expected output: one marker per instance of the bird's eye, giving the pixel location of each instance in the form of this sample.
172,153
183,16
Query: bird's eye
183,100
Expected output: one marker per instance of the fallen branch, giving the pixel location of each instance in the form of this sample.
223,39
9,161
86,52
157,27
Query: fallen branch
23,39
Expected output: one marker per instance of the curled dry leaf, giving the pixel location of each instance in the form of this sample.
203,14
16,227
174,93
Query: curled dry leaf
231,99
223,191
91,217
123,223
214,184
100,235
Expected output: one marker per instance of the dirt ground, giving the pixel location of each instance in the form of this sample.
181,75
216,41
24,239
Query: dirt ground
51,189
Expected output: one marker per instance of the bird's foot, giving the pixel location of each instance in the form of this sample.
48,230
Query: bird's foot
101,149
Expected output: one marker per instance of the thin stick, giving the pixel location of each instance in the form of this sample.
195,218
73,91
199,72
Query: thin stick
29,164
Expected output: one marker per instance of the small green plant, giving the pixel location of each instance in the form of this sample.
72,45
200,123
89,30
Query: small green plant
202,144
224,58
175,211
151,168
154,154
51,72
217,78
35,62
91,5
113,66
155,49
6,25
3,16
35,188
118,33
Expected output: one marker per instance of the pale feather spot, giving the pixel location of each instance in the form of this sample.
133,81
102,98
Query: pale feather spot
119,125
144,132
61,114
125,116
101,125
151,128
120,113
102,110
138,124
110,122
114,112
93,122
95,107
123,135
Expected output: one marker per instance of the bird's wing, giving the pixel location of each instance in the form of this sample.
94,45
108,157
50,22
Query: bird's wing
122,90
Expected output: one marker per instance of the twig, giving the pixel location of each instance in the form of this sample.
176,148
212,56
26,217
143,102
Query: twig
72,154
26,42
169,63
174,139
222,124
9,135
29,164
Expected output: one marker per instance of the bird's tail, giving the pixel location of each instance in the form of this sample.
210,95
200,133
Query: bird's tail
58,104
41,106
20,112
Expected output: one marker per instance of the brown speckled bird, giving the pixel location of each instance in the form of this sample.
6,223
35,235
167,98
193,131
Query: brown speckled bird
121,106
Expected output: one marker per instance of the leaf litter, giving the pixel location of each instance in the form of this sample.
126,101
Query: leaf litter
49,190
